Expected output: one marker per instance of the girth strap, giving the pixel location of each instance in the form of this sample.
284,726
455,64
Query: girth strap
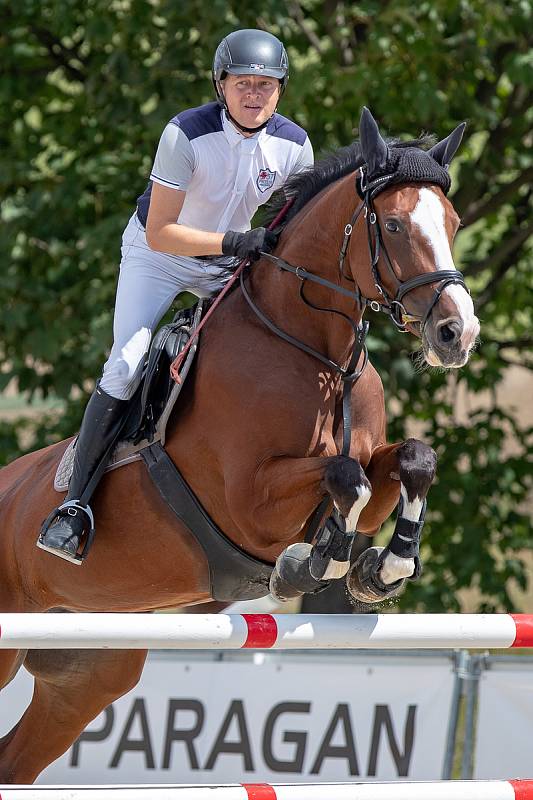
233,574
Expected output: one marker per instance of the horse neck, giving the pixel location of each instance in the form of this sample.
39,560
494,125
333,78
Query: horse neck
313,240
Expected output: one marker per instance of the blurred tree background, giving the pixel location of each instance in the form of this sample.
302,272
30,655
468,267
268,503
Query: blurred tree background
86,88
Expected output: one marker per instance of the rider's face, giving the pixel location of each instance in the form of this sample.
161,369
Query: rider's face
251,99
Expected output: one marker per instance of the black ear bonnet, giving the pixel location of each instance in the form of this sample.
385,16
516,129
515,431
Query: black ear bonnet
404,165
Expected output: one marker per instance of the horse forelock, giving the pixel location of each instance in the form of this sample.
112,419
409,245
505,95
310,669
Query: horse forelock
305,185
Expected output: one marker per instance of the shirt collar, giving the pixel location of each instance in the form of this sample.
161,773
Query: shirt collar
235,138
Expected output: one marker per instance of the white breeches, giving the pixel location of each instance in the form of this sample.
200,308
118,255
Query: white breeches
148,283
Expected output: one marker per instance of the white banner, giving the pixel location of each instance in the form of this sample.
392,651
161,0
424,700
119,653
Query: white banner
504,731
263,717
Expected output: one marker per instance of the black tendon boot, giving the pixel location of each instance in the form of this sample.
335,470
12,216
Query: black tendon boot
62,532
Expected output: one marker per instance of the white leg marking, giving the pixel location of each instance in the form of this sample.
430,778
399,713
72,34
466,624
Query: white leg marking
337,569
411,510
363,496
395,567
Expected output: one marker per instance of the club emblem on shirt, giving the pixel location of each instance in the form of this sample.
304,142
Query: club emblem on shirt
265,179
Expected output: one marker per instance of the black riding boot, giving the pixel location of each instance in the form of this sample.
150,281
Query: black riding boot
62,532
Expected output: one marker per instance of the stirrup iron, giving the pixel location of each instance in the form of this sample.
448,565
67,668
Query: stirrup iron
71,507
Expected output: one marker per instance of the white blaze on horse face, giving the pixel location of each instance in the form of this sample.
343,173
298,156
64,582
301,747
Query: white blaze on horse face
428,217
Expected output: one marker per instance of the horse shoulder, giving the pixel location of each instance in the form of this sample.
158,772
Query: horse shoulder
31,465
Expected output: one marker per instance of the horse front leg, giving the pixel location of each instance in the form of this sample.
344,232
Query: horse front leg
304,567
400,474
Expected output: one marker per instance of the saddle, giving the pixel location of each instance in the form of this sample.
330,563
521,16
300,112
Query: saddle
151,405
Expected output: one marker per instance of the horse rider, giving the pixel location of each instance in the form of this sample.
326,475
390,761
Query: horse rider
214,166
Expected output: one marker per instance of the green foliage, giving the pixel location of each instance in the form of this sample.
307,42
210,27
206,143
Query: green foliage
86,89
474,529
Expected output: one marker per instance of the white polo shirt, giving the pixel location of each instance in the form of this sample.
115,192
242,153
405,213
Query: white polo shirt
226,176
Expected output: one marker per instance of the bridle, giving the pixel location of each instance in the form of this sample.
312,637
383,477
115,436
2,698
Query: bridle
387,304
392,306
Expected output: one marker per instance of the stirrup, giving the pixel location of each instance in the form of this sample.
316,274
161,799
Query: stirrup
68,506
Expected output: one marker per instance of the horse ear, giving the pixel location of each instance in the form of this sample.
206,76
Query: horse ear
374,148
444,151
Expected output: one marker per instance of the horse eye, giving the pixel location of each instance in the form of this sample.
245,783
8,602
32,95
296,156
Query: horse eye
392,226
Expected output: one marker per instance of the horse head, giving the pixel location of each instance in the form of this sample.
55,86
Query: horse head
411,227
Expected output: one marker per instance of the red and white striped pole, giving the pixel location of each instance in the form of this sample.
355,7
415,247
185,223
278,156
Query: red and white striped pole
436,790
265,631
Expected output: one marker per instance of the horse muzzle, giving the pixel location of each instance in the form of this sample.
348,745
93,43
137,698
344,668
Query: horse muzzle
448,342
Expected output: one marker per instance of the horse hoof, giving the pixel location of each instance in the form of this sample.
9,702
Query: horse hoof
363,581
291,577
280,590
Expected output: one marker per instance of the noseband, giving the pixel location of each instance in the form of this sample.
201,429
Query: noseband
392,306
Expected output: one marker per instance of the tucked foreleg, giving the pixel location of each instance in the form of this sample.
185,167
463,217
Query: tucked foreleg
304,567
402,475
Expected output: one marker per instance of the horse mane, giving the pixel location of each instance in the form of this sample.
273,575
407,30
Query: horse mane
305,185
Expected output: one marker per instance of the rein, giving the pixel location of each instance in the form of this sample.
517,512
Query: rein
177,363
349,374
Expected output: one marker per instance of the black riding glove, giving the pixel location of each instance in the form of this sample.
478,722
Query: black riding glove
250,244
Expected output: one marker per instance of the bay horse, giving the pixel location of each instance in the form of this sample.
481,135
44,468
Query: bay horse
258,434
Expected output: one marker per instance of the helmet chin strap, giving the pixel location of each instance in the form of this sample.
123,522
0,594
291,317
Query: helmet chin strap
242,127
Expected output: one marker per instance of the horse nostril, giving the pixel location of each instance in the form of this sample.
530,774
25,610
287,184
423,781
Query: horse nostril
450,332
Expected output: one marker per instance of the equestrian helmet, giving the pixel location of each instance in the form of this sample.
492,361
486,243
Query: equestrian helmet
250,52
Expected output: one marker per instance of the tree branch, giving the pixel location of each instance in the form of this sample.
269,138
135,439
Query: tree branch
61,54
302,23
491,288
508,248
510,362
487,165
516,344
479,209
336,15
487,88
